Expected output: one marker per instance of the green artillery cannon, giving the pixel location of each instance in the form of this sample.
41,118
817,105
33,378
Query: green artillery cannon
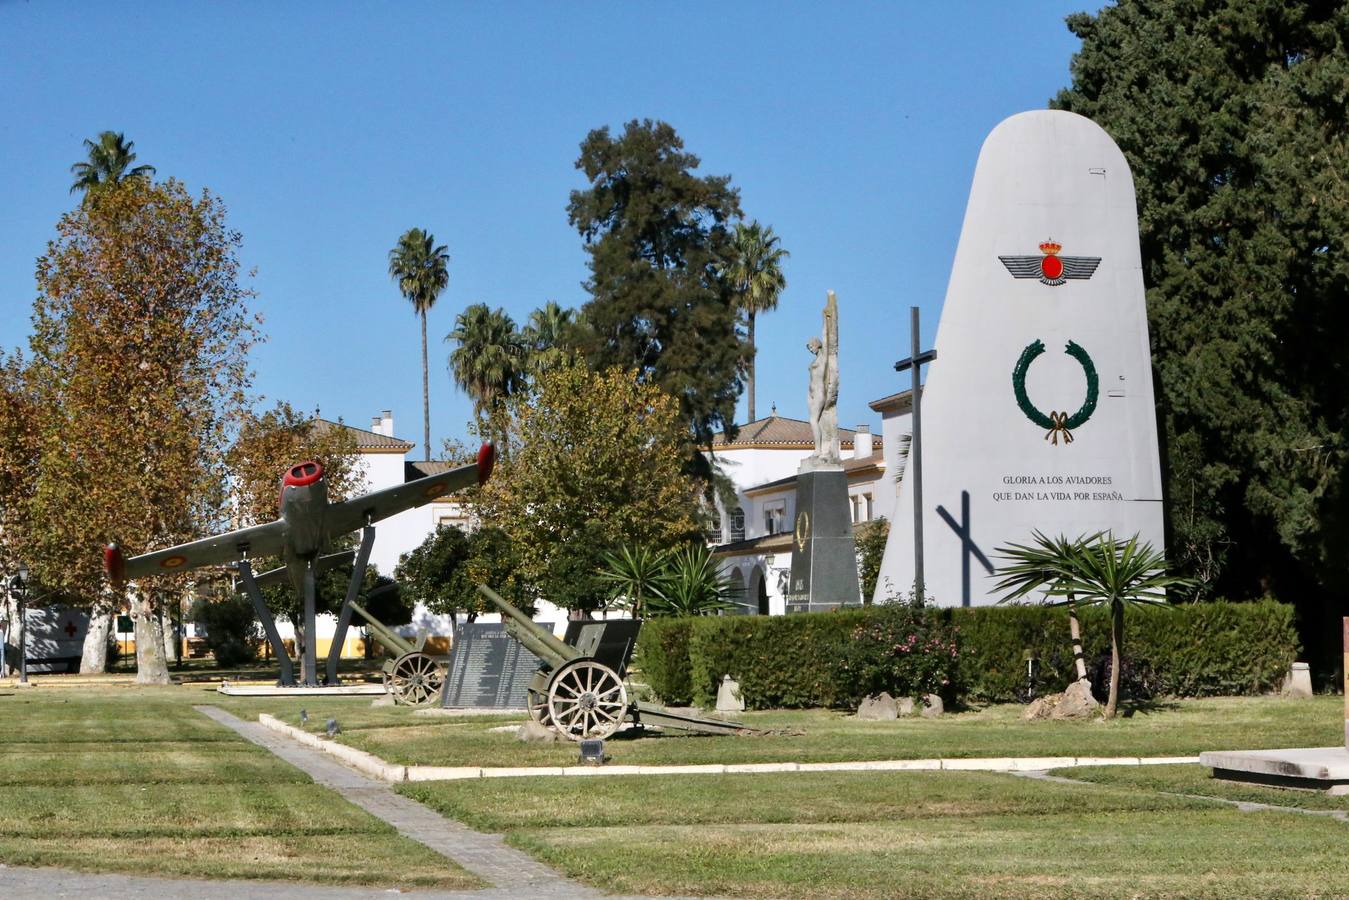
579,689
412,677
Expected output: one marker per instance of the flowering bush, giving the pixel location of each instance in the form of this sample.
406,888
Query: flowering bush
901,649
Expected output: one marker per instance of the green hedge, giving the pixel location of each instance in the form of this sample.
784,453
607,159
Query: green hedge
662,654
797,661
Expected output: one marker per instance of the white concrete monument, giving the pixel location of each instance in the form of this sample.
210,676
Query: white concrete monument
1038,411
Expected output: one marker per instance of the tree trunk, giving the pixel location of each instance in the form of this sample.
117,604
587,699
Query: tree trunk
1116,646
1075,629
94,656
166,622
749,382
426,396
151,667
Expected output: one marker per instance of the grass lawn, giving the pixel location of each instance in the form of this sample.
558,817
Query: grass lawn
1168,728
134,780
1199,781
890,834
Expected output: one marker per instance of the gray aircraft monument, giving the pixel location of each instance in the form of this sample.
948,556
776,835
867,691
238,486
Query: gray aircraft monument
1038,410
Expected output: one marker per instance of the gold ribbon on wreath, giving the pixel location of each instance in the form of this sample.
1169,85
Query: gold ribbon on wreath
1059,422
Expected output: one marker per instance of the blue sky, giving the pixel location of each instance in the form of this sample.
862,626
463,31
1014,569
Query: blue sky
329,129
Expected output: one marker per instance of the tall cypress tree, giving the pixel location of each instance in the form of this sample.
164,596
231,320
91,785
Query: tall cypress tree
1232,115
657,235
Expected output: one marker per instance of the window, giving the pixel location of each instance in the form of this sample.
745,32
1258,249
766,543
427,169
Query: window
775,517
870,511
737,524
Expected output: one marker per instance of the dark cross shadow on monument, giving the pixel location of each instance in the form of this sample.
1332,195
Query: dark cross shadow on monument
967,546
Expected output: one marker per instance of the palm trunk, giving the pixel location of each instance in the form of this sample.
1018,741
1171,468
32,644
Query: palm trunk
1116,646
426,396
94,655
151,666
1075,629
749,382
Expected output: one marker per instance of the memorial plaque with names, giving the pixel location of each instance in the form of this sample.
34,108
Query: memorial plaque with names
488,669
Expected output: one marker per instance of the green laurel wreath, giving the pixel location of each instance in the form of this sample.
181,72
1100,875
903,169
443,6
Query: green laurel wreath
1058,423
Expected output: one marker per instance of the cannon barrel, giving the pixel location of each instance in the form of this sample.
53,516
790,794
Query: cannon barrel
531,641
386,635
555,652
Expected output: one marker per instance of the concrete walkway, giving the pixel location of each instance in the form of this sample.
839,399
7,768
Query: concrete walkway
511,872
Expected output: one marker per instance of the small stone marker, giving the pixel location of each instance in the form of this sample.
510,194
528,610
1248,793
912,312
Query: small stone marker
1074,703
1298,681
880,708
932,706
728,696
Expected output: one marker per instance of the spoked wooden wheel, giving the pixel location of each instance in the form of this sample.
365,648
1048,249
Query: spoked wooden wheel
415,679
586,700
537,705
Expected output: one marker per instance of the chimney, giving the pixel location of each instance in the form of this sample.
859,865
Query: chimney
861,442
387,416
376,423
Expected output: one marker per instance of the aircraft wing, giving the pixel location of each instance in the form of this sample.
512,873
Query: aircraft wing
352,514
322,564
259,540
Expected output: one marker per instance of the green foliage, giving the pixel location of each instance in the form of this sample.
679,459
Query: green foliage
662,655
691,584
436,572
657,236
592,461
1232,115
901,649
1191,650
231,630
755,272
109,163
1099,570
489,360
422,271
870,538
632,574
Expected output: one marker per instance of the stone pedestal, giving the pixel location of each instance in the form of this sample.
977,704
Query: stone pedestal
824,557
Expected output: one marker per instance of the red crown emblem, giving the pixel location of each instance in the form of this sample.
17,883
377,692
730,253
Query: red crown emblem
1050,268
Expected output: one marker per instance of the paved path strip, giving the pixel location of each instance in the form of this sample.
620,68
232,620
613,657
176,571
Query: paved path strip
390,772
485,855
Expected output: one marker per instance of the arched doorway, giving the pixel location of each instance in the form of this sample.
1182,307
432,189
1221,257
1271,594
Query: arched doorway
757,599
737,591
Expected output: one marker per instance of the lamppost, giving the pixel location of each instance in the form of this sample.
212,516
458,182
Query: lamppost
18,586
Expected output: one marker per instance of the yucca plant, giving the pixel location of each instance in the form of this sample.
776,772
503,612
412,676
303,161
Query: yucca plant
632,574
692,585
1100,570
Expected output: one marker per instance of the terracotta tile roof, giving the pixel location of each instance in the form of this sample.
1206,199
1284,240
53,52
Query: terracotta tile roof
368,440
776,431
851,467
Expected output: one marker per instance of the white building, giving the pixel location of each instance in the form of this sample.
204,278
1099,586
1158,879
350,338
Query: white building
755,542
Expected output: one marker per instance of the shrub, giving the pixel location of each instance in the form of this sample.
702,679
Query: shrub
231,630
663,656
831,659
903,650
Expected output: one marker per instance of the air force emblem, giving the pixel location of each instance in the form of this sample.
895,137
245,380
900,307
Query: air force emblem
1051,269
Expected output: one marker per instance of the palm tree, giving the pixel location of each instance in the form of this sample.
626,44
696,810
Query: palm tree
422,272
545,335
1101,570
691,584
489,362
1038,564
755,272
109,163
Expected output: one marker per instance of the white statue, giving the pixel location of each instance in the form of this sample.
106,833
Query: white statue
822,397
